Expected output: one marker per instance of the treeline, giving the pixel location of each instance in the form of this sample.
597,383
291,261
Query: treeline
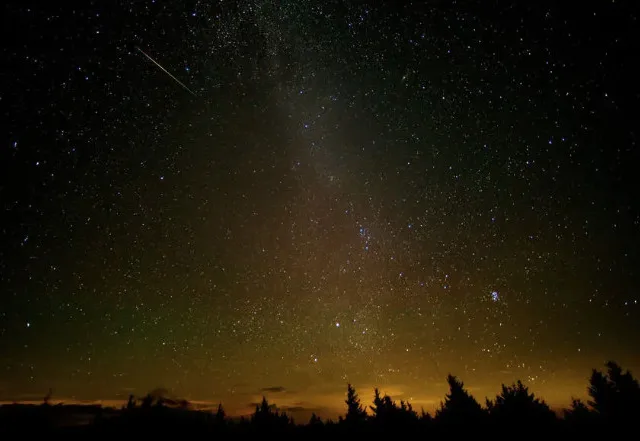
613,407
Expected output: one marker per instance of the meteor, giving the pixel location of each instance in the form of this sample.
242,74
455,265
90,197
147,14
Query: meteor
166,71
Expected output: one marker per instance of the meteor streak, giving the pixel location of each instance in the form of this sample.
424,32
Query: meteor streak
166,71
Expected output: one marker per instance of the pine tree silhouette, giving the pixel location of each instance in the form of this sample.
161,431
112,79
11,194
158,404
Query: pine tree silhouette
220,415
459,407
578,414
315,420
425,416
387,413
613,407
147,401
615,396
263,414
266,418
515,405
131,403
47,397
377,403
355,411
425,420
383,407
284,419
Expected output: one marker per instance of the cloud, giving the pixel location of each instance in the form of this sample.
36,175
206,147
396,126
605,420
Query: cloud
67,401
298,408
30,397
160,392
273,389
295,408
204,405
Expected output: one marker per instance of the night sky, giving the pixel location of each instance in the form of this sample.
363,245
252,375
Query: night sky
315,193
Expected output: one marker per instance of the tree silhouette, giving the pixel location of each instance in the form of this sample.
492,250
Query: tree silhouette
220,415
263,413
515,405
131,403
355,411
266,418
284,419
386,412
147,401
377,403
459,407
47,397
382,406
615,396
614,401
315,420
578,414
425,421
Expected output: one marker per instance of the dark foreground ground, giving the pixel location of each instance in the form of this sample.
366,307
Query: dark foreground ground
90,422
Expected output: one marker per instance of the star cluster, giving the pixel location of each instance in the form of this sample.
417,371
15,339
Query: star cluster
379,194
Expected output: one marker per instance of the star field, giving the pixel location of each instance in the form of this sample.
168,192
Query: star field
354,192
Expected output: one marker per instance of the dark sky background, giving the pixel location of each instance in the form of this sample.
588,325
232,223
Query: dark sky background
352,192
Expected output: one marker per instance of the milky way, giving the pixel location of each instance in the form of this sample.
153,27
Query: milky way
357,193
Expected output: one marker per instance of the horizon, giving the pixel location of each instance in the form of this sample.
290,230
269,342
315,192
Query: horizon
292,403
